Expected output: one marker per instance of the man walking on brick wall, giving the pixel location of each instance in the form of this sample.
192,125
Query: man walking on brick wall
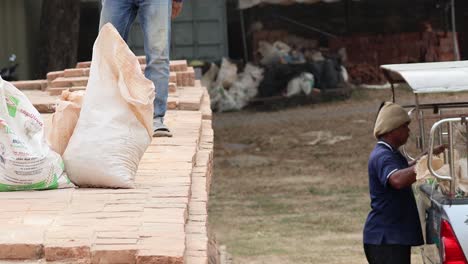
155,19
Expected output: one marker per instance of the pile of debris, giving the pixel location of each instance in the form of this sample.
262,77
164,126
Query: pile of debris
367,52
365,73
228,90
283,70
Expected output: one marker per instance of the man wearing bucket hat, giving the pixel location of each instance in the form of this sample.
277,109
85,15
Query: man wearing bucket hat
392,226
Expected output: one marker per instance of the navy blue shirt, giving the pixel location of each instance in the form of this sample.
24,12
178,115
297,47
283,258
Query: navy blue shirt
394,218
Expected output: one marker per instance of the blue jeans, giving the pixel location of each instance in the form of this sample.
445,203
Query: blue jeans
155,20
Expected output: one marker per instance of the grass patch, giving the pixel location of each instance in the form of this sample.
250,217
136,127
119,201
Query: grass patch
310,205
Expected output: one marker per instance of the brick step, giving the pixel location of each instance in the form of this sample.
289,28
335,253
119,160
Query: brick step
31,85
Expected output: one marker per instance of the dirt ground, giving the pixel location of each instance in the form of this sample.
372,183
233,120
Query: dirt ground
290,186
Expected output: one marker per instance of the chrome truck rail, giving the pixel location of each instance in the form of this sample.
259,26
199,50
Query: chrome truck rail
451,151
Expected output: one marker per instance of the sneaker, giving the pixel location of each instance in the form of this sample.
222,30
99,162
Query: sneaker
160,130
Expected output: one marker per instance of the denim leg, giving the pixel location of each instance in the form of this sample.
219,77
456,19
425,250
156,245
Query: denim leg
155,19
120,13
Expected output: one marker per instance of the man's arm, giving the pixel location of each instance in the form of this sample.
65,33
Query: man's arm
405,177
437,150
402,178
176,8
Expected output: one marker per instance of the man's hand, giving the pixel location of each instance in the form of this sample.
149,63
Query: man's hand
176,8
439,149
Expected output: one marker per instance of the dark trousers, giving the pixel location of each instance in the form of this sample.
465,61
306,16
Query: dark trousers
388,254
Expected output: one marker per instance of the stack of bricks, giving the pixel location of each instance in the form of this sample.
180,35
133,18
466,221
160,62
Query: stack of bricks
396,48
163,220
181,78
367,52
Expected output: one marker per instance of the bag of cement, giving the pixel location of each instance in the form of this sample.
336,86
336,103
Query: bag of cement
227,74
64,120
26,161
115,125
303,83
422,171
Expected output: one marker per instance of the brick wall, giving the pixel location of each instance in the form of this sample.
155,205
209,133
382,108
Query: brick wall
396,48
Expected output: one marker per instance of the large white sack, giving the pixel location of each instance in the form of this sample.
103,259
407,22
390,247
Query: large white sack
26,161
115,124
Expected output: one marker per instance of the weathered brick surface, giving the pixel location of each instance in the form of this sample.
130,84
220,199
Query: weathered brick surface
163,220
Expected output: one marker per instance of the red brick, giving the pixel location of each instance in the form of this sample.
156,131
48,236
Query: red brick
69,82
172,87
54,75
78,72
59,90
21,242
178,66
67,251
31,85
115,254
21,251
84,64
173,77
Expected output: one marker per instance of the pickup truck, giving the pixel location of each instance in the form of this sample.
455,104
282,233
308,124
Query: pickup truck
442,200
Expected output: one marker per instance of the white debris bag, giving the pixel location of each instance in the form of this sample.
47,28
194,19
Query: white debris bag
242,90
115,126
303,83
227,74
26,161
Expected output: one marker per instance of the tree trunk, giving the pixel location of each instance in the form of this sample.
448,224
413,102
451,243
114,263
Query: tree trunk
59,33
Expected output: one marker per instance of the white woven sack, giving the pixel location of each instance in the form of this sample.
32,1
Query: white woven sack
115,124
26,161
